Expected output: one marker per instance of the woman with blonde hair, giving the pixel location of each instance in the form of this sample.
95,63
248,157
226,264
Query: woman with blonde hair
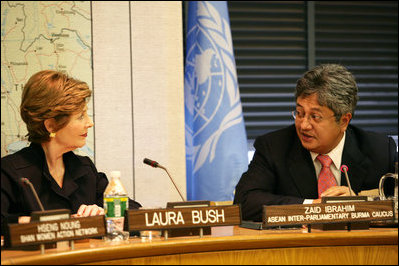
54,108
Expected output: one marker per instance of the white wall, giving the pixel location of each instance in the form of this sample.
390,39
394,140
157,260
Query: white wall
139,96
113,140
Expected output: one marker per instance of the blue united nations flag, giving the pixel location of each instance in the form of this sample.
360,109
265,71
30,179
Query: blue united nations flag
216,145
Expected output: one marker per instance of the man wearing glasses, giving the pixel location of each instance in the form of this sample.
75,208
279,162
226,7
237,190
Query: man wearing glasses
301,163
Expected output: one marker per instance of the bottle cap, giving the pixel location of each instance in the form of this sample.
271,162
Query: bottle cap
116,174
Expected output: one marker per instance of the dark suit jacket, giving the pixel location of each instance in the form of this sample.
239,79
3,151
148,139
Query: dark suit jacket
282,171
82,184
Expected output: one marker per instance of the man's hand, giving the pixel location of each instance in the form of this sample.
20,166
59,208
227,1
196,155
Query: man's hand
88,210
337,191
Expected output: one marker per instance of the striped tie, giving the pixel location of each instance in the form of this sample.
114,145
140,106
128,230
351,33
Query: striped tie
326,177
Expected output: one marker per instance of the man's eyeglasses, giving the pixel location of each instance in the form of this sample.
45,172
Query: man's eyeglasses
314,118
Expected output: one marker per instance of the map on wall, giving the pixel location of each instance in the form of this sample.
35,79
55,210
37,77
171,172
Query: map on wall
36,36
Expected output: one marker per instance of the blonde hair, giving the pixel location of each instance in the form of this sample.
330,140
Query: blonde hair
51,94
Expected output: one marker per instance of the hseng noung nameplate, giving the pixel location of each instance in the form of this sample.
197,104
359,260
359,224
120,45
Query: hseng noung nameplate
58,230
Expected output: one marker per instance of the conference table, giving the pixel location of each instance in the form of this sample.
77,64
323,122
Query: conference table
228,245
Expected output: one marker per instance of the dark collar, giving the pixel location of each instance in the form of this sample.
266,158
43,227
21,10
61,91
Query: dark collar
34,155
32,159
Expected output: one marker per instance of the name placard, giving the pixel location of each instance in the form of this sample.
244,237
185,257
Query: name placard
58,230
327,213
188,217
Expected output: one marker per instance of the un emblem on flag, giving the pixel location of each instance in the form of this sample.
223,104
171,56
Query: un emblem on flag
206,85
211,89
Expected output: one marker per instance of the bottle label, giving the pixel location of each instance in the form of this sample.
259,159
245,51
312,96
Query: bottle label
115,206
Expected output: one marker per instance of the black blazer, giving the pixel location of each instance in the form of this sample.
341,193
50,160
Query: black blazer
82,184
282,171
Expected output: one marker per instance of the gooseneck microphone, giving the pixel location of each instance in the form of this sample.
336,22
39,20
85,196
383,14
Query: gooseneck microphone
27,182
155,165
152,163
344,169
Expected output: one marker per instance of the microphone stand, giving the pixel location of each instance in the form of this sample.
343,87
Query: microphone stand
155,165
171,179
345,170
26,181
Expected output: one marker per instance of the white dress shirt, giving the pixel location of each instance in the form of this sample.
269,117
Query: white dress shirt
336,156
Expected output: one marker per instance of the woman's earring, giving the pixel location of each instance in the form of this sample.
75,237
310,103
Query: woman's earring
52,135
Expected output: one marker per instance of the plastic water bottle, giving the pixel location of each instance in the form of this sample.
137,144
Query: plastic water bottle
116,201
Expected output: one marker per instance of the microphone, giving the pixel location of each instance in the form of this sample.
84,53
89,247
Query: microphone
152,163
27,182
157,165
344,169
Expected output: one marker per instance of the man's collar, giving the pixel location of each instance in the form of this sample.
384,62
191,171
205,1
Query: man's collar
335,154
